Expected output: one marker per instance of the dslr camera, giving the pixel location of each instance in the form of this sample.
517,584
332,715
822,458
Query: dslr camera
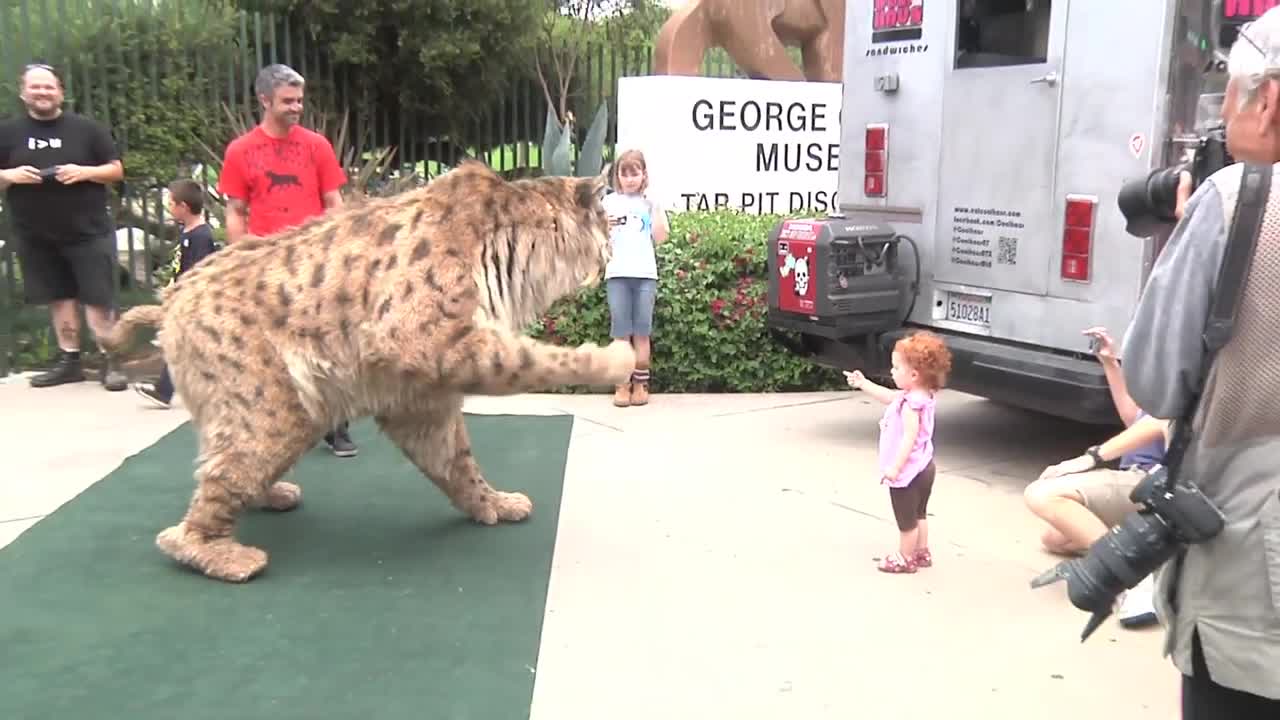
1148,204
1171,514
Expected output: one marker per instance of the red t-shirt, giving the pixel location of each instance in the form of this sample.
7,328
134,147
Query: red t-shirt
283,180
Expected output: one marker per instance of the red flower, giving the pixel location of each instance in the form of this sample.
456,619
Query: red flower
717,306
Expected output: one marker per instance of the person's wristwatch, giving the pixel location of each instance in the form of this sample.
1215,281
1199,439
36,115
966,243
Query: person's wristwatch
1096,455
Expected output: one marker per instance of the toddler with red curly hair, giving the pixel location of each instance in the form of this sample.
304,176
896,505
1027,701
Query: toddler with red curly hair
921,363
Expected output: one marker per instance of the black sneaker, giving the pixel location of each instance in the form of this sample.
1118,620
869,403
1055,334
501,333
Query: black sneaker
339,442
66,370
112,378
148,391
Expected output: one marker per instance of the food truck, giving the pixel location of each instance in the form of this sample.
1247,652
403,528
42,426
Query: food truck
984,144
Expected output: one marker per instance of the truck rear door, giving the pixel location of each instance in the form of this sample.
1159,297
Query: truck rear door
996,220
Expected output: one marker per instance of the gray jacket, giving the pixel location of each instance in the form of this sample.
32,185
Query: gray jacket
1229,589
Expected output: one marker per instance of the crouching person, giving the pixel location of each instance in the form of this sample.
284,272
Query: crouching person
1081,500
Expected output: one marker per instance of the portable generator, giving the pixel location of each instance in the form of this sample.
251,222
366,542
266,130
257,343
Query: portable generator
838,283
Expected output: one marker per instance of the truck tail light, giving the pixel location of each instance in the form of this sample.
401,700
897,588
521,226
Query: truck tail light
876,164
1077,238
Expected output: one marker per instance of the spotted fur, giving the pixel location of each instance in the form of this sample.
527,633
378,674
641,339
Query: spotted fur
395,308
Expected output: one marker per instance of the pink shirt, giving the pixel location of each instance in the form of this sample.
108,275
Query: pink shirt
891,432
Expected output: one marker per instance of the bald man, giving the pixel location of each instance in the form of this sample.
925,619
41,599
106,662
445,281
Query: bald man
54,169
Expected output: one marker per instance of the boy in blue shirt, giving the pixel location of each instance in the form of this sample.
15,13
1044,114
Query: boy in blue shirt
186,206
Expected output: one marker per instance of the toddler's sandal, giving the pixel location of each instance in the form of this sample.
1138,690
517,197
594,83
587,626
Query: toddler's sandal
895,563
923,559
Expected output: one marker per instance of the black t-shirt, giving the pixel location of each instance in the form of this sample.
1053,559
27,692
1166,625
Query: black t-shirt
51,210
197,243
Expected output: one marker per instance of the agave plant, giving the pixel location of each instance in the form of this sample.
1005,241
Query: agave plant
557,138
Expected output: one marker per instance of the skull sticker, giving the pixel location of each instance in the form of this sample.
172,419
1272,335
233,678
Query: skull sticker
802,277
798,267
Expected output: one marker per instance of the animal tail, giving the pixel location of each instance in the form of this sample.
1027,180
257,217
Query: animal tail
137,317
683,40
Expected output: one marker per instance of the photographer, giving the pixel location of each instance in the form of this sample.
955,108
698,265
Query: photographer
1220,602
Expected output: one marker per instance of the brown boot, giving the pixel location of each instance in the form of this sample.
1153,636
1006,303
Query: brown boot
640,386
622,395
640,393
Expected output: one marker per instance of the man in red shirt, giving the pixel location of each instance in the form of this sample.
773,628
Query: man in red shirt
278,175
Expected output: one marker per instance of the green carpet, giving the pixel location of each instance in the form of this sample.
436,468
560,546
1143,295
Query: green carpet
380,600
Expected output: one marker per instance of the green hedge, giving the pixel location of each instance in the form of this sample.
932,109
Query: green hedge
709,330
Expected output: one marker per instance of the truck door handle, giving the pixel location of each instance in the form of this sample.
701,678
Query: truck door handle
1051,79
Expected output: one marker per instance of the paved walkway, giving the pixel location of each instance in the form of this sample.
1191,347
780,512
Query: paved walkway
714,559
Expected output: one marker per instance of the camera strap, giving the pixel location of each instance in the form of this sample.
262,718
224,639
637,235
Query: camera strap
1233,273
1237,259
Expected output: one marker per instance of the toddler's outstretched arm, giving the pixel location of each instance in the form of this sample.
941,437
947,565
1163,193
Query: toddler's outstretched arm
858,381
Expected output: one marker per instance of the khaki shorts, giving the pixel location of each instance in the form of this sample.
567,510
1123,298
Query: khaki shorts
1106,492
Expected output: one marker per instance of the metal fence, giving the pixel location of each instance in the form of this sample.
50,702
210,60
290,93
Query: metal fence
163,74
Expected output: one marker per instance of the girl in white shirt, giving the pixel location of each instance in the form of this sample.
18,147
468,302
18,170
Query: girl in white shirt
631,278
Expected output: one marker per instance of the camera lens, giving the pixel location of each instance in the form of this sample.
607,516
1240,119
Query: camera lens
1118,561
1149,204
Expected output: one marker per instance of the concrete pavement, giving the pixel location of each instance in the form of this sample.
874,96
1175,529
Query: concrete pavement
59,441
715,559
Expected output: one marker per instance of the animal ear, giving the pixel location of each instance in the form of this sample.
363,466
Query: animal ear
590,190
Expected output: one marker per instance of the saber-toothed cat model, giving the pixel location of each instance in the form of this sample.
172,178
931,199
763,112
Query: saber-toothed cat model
394,308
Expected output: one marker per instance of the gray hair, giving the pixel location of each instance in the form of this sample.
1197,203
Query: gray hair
1255,55
274,76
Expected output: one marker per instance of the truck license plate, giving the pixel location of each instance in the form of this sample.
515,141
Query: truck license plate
969,309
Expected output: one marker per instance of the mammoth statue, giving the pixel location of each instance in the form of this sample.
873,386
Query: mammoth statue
756,34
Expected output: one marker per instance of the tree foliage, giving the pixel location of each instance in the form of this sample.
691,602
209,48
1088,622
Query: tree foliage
571,28
144,71
432,58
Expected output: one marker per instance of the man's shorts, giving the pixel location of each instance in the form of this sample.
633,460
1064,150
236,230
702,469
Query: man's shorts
1106,492
79,270
631,306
